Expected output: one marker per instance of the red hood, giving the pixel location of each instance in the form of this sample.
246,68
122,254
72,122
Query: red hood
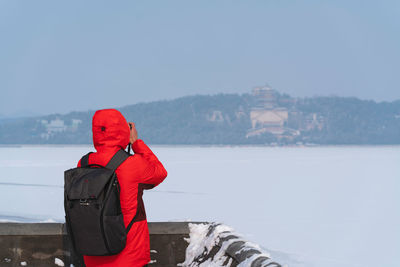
110,130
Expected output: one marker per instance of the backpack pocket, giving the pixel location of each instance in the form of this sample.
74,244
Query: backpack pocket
85,226
115,232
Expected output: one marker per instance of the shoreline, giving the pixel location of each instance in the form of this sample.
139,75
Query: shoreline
211,145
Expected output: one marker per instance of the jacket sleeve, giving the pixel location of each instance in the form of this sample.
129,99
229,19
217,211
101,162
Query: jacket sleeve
152,171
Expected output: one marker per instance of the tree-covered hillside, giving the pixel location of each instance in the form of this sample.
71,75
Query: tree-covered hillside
354,121
225,119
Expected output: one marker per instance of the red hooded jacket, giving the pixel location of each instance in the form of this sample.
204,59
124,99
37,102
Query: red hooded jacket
141,171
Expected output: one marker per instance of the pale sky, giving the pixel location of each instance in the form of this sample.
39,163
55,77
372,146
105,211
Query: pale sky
61,56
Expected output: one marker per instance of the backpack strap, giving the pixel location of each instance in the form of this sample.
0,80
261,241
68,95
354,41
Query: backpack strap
117,159
85,160
113,164
131,223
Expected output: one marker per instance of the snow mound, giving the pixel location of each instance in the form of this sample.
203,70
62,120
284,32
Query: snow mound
58,262
214,244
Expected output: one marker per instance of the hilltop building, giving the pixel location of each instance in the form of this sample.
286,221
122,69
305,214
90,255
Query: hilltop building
267,116
57,126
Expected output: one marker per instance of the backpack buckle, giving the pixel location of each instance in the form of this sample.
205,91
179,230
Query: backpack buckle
83,202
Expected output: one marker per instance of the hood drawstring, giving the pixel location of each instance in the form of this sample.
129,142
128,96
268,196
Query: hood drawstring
129,145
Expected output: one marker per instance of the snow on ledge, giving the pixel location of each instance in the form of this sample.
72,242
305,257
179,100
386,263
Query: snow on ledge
214,245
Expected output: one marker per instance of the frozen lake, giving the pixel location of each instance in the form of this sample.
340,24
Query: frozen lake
313,206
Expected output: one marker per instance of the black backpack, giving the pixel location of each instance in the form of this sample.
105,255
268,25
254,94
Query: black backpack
92,207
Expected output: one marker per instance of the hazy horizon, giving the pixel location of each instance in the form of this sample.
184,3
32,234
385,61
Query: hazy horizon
58,57
27,113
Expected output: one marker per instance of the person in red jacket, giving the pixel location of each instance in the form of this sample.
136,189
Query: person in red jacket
111,132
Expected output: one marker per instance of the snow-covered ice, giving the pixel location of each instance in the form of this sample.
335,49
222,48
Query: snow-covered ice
319,206
58,262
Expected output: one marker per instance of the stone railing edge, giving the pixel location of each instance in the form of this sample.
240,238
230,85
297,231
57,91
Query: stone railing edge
14,228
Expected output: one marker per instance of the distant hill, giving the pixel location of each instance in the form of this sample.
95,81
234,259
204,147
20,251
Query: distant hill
263,117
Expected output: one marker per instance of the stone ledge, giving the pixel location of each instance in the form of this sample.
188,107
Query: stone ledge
40,244
37,229
30,229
